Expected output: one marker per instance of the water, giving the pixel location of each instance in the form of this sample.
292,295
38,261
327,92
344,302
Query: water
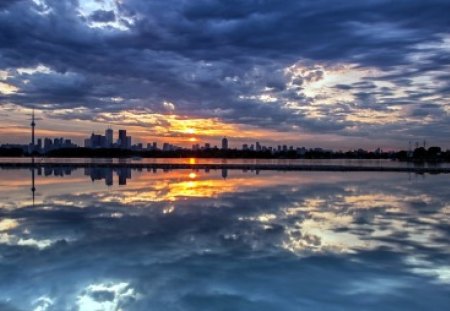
341,162
102,239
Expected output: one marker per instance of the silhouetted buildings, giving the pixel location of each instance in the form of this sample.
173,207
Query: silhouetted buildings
224,143
107,141
109,135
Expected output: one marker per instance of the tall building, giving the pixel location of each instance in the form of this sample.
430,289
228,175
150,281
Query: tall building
128,142
224,143
97,141
109,133
39,144
87,143
33,125
48,144
122,138
258,146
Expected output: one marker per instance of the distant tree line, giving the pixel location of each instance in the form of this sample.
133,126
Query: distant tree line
432,154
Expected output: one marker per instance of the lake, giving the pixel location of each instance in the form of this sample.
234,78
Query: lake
98,238
387,163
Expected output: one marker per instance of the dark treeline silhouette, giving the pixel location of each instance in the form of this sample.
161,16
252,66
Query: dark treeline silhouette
432,154
12,152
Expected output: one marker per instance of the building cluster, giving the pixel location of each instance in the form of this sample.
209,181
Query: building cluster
258,147
107,141
43,145
123,141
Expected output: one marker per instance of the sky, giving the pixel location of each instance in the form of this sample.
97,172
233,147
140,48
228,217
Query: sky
323,73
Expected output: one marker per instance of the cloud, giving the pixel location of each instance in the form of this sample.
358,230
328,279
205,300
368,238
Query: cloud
102,16
212,56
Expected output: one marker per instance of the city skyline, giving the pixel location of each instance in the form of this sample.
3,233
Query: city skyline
338,75
123,141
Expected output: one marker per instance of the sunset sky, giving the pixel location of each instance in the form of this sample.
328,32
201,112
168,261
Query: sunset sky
315,73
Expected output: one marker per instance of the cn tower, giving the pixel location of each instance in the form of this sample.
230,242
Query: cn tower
33,124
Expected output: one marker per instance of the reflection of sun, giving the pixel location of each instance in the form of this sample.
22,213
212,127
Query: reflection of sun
192,175
192,160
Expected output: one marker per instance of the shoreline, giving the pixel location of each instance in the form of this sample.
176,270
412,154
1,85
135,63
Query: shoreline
230,166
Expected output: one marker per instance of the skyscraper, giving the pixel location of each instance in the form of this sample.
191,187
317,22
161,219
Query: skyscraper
109,133
258,146
123,138
224,143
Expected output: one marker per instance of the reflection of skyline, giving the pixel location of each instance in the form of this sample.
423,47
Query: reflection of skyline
107,174
162,184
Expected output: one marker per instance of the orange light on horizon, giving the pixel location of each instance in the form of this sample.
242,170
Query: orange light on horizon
193,139
192,160
192,175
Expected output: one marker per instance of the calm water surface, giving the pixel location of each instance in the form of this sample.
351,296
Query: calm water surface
102,239
344,162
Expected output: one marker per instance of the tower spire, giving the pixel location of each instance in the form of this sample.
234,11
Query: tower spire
33,125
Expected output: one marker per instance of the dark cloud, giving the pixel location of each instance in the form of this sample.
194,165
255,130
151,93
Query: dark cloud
5,3
102,16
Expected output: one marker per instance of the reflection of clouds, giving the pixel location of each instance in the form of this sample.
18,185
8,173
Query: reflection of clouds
264,246
43,304
106,297
420,265
8,224
10,239
24,240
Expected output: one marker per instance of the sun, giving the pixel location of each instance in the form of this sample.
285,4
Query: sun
193,139
192,175
190,131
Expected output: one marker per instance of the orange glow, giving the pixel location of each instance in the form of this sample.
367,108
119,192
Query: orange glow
193,139
192,160
169,186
